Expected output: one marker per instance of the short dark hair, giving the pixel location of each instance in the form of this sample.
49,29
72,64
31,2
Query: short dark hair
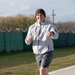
40,11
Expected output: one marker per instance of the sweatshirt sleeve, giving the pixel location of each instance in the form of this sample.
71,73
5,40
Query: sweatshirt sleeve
28,34
55,31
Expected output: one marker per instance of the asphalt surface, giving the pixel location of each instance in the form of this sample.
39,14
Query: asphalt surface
65,71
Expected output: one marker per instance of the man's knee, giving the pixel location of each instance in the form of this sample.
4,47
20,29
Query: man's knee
42,69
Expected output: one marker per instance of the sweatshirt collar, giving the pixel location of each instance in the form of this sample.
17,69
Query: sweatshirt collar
42,23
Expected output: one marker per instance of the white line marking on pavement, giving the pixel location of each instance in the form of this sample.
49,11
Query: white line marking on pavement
61,70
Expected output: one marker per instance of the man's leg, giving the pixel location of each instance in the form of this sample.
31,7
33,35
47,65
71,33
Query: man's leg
45,62
43,71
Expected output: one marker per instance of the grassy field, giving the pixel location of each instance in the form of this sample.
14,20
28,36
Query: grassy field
23,63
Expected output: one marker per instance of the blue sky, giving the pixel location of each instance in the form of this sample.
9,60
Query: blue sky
64,9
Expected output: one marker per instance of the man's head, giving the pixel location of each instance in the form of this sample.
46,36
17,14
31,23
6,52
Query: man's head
40,15
40,11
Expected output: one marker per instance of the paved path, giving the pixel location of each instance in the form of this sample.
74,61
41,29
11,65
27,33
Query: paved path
64,71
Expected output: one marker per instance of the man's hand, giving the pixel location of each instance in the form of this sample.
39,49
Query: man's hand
50,33
29,38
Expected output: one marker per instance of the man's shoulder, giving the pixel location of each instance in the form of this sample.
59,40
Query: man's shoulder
48,23
33,25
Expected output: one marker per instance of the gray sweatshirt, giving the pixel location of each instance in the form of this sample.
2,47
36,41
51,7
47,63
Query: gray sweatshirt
42,43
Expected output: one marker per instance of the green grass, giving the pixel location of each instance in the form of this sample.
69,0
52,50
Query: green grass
23,63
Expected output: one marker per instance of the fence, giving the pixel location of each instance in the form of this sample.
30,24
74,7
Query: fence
65,40
14,41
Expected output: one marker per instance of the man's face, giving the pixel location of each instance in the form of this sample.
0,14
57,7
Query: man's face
40,17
